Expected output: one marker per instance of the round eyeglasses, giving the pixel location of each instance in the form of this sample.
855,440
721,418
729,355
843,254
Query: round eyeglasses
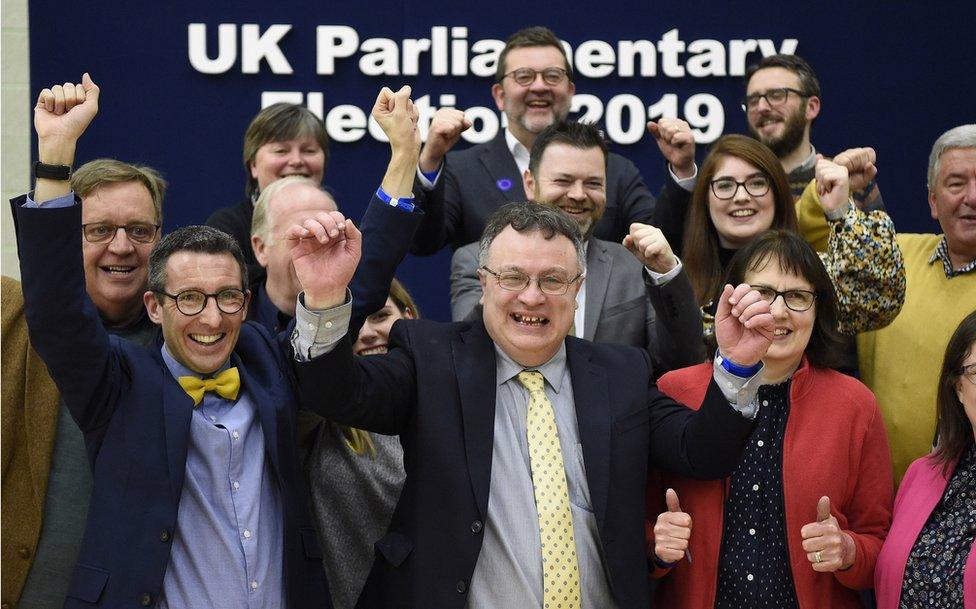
526,76
968,373
515,281
795,300
725,188
192,302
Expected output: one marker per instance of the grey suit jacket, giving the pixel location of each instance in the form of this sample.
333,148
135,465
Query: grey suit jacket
622,305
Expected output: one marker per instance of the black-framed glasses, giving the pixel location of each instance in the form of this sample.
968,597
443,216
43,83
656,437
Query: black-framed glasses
725,188
526,76
138,232
795,300
516,281
968,373
773,97
192,302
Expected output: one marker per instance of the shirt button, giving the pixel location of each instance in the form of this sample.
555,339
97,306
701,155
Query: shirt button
462,586
755,487
235,484
235,435
476,526
213,419
752,531
750,577
247,534
328,324
311,326
24,552
254,584
760,443
145,599
164,536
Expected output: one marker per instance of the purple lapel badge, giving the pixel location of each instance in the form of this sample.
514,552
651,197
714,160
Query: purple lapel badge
504,184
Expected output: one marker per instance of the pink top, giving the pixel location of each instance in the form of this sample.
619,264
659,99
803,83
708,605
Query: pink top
920,492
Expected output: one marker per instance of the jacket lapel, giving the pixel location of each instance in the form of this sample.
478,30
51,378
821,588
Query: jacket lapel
177,410
474,363
599,265
267,407
498,160
591,393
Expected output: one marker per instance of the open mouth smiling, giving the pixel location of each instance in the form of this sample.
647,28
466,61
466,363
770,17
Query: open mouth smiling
207,340
377,350
529,320
118,270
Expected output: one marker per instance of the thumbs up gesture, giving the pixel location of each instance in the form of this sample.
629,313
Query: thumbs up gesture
828,548
672,531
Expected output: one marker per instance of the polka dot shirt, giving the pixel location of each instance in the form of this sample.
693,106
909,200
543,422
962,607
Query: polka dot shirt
754,564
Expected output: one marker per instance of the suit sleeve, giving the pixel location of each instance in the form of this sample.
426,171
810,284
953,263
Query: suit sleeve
465,285
670,213
678,325
64,326
704,444
635,201
375,393
442,213
387,233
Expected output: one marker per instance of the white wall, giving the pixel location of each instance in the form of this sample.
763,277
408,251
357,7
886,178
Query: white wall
15,130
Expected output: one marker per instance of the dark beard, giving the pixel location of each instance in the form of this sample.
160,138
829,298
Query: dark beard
792,134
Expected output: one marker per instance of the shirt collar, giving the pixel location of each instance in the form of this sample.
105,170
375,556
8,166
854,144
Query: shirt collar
553,370
942,253
519,152
809,162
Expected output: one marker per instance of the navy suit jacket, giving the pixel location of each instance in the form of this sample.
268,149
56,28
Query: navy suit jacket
436,389
477,181
136,420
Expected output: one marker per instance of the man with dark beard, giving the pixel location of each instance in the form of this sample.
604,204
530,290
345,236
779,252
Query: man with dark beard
782,101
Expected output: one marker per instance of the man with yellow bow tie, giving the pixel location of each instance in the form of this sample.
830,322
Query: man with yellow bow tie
198,498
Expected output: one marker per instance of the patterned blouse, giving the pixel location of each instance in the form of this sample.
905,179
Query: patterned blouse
754,565
934,573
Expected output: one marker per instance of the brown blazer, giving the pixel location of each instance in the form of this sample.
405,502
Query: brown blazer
28,421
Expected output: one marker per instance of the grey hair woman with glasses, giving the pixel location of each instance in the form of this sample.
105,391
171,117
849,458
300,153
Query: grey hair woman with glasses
929,557
802,519
742,191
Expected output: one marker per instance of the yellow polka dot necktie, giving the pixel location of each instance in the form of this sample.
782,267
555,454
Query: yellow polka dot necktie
226,385
560,570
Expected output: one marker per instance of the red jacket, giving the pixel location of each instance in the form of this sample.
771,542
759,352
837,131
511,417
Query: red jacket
835,445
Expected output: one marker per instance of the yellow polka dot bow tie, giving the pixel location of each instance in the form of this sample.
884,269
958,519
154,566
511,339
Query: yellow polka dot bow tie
226,384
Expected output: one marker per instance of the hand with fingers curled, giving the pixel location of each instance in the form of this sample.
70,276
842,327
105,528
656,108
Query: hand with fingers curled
833,185
325,249
672,532
61,115
397,116
445,129
649,245
743,325
677,144
860,164
828,548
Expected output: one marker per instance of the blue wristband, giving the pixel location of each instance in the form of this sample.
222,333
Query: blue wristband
737,370
404,203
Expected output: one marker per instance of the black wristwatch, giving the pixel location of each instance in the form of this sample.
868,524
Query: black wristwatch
51,172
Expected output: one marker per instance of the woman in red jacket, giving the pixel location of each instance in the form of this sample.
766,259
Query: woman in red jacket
929,557
801,521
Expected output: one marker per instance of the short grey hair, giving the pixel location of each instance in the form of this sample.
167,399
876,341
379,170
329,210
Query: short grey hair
259,221
531,217
963,136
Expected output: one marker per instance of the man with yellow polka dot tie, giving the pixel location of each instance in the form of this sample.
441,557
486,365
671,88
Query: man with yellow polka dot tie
526,450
